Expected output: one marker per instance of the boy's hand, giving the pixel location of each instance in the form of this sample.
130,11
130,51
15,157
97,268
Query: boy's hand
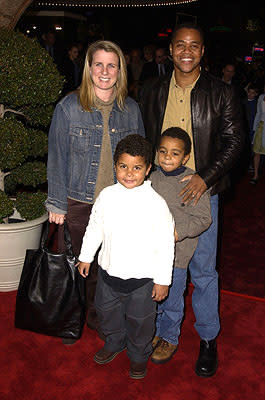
159,292
83,268
193,190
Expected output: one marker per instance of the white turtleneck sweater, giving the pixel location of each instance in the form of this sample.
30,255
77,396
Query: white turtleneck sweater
136,231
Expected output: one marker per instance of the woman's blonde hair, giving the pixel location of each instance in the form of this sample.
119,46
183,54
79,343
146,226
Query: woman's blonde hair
86,91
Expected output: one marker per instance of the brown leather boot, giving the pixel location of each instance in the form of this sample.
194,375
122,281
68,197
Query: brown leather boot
138,370
155,341
104,356
163,352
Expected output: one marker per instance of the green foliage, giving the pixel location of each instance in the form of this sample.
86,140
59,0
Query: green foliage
38,143
31,84
6,206
14,143
29,174
31,205
38,115
30,76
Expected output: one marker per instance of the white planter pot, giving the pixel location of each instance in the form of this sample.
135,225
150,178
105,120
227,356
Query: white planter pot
15,239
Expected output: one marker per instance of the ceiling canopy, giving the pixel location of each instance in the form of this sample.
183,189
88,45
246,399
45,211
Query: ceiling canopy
112,3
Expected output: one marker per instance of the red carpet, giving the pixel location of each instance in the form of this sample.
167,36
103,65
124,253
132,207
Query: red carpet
36,367
242,257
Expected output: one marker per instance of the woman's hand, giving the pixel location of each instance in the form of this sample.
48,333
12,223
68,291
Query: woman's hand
57,218
159,292
83,268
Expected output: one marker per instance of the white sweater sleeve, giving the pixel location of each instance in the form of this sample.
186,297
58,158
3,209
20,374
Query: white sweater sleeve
94,233
165,247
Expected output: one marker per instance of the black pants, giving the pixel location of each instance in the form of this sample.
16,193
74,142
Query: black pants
77,218
127,319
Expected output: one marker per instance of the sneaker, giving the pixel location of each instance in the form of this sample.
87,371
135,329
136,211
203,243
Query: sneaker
253,181
163,352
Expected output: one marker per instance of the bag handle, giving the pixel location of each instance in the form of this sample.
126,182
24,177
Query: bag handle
67,238
44,235
67,241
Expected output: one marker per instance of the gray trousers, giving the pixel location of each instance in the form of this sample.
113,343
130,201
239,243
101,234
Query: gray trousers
127,319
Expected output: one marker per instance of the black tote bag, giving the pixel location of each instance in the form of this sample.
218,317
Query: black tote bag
51,293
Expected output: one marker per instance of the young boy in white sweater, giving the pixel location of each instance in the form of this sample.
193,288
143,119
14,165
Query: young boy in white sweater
135,229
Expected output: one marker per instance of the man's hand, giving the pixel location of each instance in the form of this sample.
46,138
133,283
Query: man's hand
194,189
57,218
159,292
176,235
83,268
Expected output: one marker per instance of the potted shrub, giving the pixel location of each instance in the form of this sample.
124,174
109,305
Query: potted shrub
30,86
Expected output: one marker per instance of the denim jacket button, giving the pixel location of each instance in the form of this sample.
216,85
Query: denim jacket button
112,130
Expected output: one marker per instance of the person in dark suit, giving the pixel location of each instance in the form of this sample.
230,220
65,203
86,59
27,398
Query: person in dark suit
70,69
160,66
229,76
50,44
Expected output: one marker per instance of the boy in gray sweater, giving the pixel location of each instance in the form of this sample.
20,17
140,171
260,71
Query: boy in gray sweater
190,221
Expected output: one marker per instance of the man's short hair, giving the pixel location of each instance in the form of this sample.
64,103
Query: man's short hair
178,133
187,25
134,145
252,86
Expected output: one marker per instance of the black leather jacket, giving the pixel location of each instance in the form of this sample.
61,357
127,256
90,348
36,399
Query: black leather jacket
217,124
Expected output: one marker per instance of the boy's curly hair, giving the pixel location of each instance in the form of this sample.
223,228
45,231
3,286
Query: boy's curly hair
134,145
178,133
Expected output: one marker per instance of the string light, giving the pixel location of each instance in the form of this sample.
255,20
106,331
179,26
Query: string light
132,3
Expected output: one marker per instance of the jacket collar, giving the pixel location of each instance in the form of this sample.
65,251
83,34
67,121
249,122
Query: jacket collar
203,83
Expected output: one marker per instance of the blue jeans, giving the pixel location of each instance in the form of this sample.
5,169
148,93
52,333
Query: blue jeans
205,295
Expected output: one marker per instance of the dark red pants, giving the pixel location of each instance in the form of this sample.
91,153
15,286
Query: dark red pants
77,219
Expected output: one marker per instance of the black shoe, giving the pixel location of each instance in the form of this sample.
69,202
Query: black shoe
104,356
68,341
138,370
207,362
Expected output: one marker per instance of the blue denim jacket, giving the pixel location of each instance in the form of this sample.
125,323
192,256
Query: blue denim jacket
75,139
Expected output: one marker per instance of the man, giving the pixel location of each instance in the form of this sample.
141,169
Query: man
71,70
229,77
160,66
149,52
136,66
228,73
210,112
50,44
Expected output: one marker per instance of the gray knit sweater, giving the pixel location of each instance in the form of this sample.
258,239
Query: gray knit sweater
190,220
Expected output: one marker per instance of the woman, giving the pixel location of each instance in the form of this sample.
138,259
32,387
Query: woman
85,129
259,137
